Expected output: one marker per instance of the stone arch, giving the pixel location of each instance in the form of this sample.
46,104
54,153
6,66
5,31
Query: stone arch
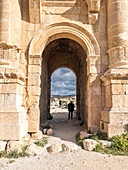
90,45
64,30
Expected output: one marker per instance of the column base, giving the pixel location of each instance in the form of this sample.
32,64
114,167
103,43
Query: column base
13,123
114,122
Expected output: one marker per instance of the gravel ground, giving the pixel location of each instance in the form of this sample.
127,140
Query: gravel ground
67,160
77,160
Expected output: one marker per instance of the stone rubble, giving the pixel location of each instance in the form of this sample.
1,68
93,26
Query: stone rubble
89,144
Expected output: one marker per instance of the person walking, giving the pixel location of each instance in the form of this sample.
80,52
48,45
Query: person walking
70,109
60,102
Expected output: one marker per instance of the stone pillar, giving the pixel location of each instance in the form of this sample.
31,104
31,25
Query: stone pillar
34,72
94,92
114,113
10,22
117,33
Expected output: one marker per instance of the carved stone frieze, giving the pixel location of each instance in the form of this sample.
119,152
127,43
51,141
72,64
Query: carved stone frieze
118,56
93,10
8,54
11,74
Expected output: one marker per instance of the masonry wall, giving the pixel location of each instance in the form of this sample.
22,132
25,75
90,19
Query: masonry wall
21,20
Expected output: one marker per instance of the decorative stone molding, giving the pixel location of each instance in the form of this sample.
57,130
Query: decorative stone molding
118,56
8,54
67,30
93,10
9,74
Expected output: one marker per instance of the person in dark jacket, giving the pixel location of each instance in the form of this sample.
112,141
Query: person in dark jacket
70,109
60,102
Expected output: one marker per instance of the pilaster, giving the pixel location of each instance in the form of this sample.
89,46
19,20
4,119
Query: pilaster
33,88
94,92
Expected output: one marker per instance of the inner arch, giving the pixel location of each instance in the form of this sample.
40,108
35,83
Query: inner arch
67,53
63,83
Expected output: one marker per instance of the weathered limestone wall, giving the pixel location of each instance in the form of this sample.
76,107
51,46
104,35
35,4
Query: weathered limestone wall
13,124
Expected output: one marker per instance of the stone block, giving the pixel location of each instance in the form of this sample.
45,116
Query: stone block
14,146
34,113
38,135
34,61
105,116
33,126
34,100
11,88
49,132
55,148
34,149
2,145
13,126
89,144
106,143
116,130
33,79
34,90
118,117
34,69
118,89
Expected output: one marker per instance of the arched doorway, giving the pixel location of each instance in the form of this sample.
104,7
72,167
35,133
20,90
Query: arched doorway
63,90
64,52
64,45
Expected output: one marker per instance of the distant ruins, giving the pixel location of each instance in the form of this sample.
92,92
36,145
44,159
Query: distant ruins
39,36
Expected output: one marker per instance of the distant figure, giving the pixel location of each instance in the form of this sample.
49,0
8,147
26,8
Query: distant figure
70,109
60,102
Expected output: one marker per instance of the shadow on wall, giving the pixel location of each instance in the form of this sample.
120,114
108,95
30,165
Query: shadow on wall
77,12
24,5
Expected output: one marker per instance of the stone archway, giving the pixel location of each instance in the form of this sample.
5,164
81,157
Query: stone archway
63,52
90,46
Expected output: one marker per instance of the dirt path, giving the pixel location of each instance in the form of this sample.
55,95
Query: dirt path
64,128
75,160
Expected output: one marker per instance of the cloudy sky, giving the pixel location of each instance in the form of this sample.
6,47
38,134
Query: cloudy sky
63,82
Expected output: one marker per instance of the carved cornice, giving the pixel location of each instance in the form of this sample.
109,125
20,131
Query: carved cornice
93,10
10,74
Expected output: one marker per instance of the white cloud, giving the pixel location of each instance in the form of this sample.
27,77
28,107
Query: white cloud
63,82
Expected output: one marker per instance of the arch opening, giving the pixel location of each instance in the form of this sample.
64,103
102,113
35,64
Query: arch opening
64,53
63,90
64,45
